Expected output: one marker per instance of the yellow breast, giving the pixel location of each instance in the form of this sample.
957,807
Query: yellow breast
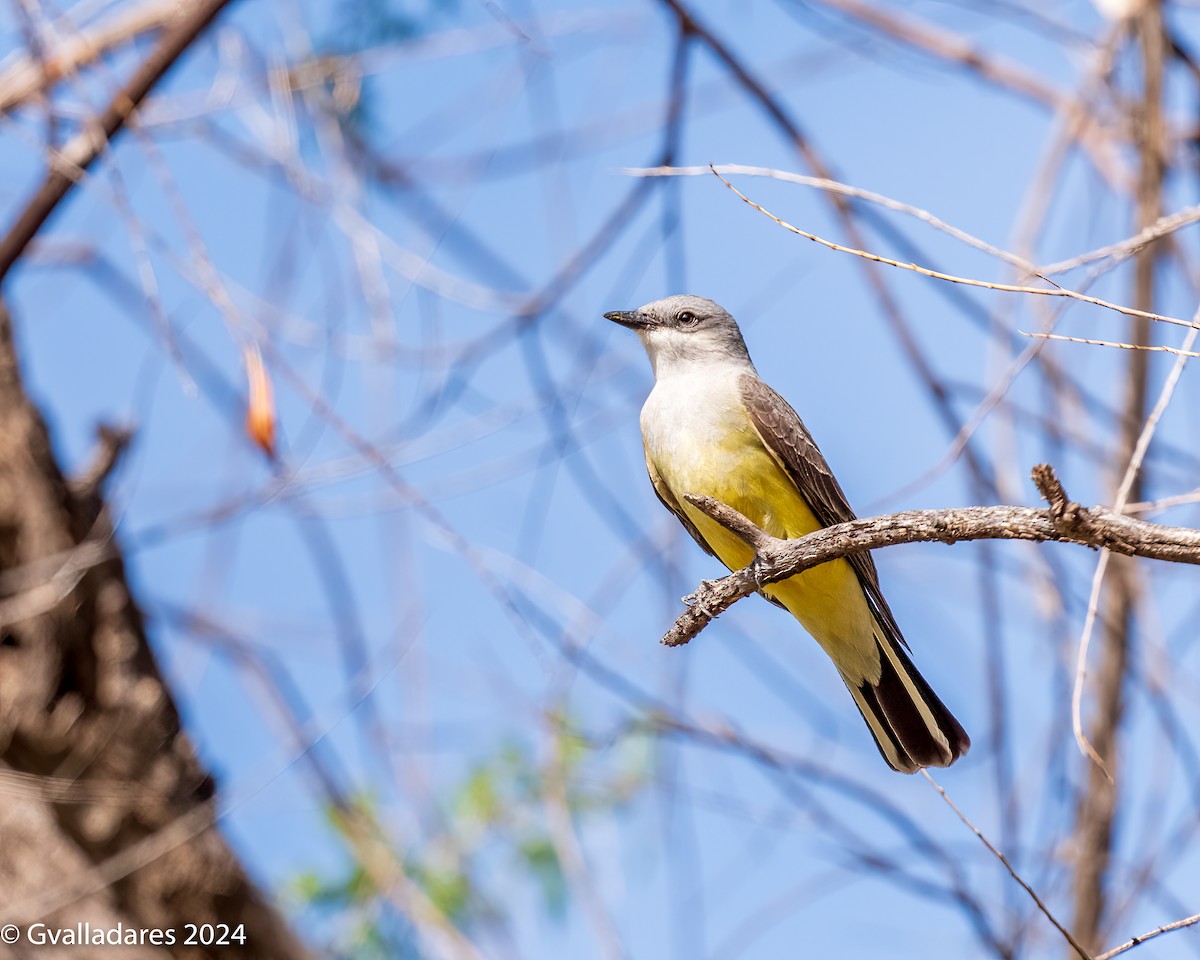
712,448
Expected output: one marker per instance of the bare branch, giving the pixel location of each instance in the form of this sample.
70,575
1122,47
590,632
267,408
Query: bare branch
1009,867
25,78
1130,485
1135,941
941,43
1162,227
1152,348
80,153
950,278
845,190
111,443
1064,521
781,117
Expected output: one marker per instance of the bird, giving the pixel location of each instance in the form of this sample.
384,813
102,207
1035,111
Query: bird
712,427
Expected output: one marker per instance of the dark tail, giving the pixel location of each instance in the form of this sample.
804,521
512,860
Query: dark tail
911,726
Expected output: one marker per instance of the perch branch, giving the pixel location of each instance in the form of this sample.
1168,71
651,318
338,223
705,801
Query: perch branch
1063,521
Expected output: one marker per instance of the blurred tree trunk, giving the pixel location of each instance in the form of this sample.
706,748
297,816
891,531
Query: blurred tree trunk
1097,805
108,815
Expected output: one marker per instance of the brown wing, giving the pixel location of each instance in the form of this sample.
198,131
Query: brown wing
792,445
667,498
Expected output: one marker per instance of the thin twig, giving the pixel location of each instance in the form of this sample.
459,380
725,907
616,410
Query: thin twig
1009,867
776,110
24,78
1162,227
845,190
1157,931
1151,348
1166,503
79,155
951,278
911,32
1131,472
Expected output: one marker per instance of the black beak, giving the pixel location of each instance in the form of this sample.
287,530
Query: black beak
629,318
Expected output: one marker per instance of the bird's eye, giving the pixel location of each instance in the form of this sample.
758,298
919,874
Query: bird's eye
688,319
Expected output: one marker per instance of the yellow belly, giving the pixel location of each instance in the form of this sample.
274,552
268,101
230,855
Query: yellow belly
827,600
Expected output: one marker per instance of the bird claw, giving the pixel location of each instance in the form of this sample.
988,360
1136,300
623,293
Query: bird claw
756,568
693,599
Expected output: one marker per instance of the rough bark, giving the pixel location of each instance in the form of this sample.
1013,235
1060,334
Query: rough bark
108,817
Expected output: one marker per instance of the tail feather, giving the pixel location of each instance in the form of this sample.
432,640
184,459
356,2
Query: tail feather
911,726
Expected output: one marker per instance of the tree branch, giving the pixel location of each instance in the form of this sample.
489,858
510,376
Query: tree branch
26,77
1063,521
1157,931
84,702
69,165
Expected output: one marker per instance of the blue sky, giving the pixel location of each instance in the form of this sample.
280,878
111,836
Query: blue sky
516,122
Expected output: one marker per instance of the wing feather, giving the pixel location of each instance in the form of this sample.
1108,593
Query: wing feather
785,436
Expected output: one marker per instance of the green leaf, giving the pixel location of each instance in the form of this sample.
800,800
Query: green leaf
478,799
541,860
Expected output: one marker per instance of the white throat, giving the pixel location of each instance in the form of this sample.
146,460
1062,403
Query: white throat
675,353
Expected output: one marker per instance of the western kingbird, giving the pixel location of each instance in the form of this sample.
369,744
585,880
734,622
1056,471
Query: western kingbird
711,427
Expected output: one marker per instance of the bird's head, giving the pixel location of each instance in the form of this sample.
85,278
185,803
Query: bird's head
683,331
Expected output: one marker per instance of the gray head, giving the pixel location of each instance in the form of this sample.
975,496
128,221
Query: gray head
682,331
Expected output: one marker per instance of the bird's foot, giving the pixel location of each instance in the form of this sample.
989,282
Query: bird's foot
695,600
756,569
